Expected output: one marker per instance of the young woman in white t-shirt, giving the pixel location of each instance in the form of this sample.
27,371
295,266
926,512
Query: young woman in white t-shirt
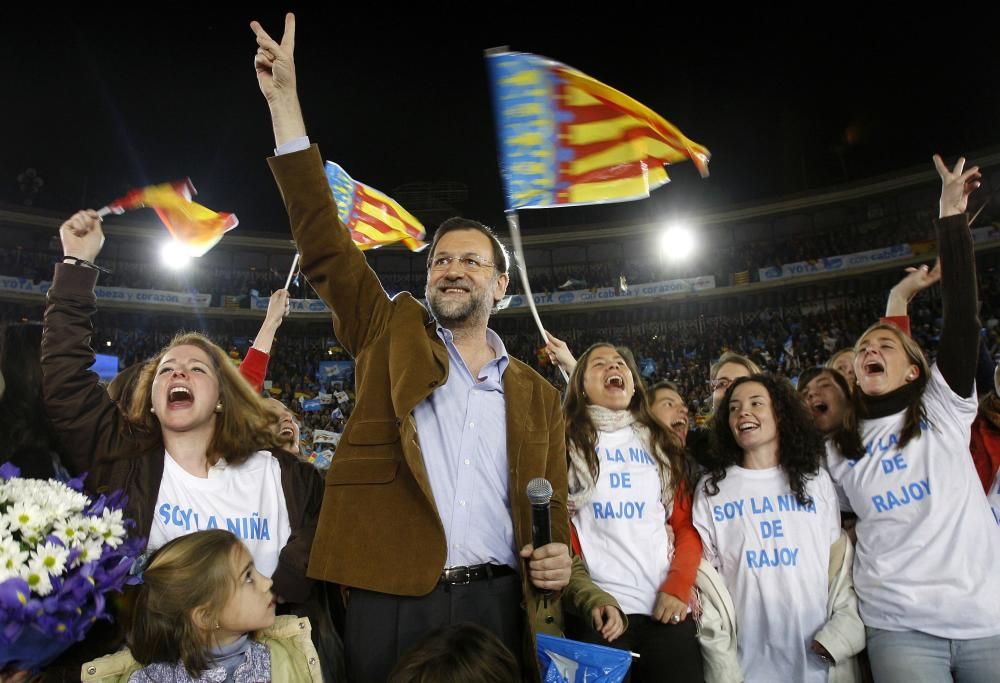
192,445
632,515
928,545
768,516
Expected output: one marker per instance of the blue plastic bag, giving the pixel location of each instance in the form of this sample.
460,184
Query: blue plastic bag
569,661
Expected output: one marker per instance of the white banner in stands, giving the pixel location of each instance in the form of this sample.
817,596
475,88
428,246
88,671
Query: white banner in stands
259,303
152,297
692,284
834,263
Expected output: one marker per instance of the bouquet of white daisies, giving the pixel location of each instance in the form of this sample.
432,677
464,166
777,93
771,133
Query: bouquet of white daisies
61,553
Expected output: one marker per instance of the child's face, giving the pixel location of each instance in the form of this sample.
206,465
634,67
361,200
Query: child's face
251,605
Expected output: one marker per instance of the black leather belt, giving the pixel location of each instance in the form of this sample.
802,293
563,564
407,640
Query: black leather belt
456,576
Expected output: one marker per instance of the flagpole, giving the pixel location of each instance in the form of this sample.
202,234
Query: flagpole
108,210
522,268
291,271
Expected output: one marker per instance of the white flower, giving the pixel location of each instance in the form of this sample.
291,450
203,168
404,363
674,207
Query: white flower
12,558
114,528
71,531
37,577
90,550
25,517
52,557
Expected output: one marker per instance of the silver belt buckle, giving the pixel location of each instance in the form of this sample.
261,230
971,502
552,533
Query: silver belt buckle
458,576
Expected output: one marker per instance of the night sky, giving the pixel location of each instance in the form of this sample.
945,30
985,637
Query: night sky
100,101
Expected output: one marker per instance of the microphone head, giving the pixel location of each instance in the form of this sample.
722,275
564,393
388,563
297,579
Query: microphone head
539,491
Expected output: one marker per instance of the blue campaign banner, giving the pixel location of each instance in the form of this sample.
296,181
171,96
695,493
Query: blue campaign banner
311,405
562,660
335,371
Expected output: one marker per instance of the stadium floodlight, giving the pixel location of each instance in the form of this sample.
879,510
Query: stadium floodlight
174,255
677,242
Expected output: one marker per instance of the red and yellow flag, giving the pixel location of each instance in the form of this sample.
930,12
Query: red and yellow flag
192,225
374,219
568,139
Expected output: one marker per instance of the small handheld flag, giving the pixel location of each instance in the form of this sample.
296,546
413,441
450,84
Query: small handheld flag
374,218
195,227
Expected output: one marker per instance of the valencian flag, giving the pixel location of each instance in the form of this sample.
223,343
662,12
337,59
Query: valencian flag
567,139
195,227
374,219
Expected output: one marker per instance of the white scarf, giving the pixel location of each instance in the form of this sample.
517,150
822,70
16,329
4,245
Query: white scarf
581,479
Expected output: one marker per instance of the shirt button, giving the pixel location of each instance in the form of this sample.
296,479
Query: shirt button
462,503
549,619
466,461
456,545
472,424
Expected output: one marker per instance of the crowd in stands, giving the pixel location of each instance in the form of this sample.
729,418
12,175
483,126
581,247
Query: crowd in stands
723,261
784,339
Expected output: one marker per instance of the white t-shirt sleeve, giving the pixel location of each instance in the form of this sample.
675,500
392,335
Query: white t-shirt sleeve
701,516
828,503
938,393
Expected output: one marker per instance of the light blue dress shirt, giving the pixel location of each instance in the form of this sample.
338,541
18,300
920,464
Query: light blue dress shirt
462,428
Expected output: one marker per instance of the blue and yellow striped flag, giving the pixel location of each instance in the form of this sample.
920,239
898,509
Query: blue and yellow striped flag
374,218
568,139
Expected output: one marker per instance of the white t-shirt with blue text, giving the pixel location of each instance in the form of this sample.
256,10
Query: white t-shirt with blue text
622,529
246,499
928,545
773,554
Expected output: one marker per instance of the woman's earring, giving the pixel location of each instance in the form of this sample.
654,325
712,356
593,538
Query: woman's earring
152,409
218,407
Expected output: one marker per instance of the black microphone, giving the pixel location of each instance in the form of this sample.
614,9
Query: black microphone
540,493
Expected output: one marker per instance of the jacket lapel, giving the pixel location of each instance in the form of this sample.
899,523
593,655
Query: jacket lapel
416,368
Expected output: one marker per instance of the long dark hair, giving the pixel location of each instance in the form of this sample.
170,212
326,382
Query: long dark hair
846,435
582,434
800,445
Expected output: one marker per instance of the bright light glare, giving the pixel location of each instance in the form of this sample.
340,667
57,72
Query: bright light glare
677,243
174,256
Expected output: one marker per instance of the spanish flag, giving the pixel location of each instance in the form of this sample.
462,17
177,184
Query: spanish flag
192,225
567,139
373,218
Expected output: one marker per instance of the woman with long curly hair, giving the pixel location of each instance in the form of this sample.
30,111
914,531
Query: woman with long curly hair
193,445
632,515
768,516
928,545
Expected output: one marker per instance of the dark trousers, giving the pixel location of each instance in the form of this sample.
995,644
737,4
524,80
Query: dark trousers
380,628
667,652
